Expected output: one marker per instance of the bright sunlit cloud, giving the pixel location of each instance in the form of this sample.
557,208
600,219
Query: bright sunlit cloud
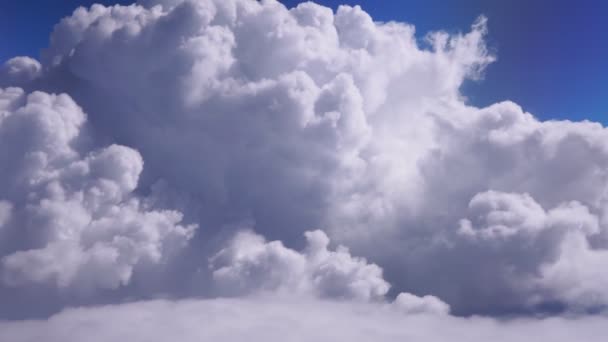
316,167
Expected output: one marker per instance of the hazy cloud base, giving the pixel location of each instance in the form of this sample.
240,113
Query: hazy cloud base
284,319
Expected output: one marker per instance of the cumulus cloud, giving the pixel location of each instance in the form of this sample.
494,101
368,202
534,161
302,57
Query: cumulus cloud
250,263
550,246
69,218
292,119
411,304
19,70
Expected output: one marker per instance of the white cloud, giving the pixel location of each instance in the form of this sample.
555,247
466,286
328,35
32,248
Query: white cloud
250,264
294,119
19,70
280,319
577,276
552,246
408,303
73,218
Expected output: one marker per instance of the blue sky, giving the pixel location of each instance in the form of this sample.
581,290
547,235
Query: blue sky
552,55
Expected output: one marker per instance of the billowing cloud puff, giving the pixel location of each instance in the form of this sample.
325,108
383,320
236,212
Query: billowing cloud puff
67,219
293,119
249,263
408,303
19,70
536,251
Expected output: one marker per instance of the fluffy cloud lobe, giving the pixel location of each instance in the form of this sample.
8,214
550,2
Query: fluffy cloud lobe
67,218
250,263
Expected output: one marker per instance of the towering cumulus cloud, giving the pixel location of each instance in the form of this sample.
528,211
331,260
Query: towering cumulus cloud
69,220
298,158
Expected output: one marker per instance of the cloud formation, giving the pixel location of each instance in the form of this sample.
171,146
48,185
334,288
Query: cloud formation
69,219
298,121
19,70
249,263
269,319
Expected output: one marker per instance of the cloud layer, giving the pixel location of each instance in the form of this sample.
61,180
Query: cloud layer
258,125
269,319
